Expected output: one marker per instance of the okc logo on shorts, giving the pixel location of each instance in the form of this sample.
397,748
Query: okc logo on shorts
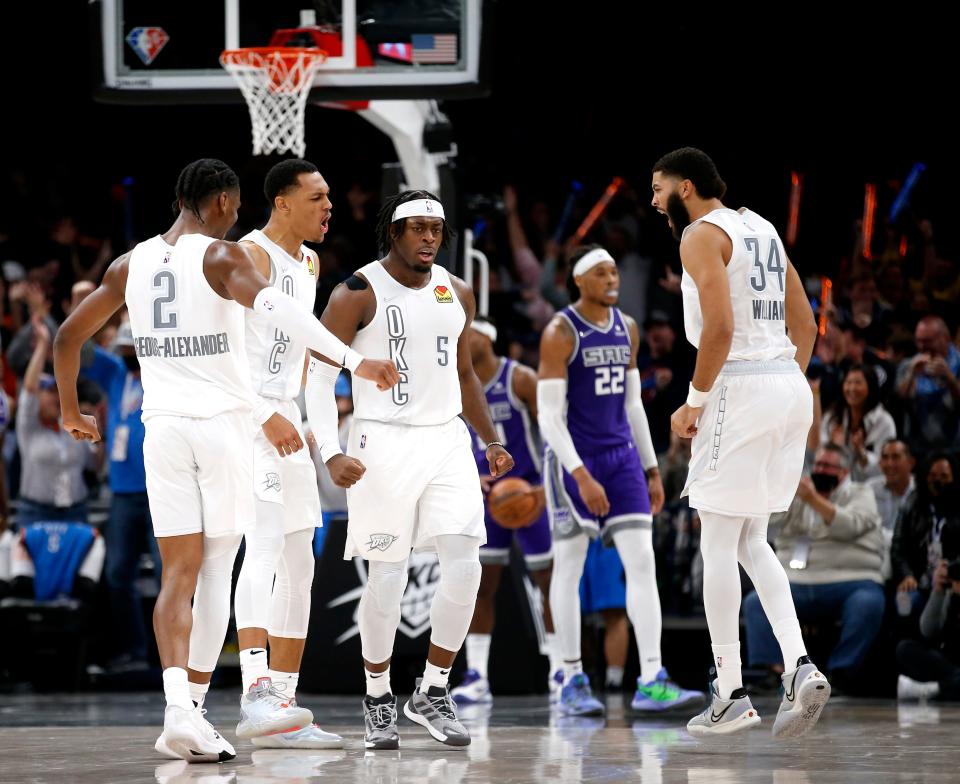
380,542
443,294
272,481
147,42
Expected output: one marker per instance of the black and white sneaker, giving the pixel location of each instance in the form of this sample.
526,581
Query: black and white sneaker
723,717
380,719
435,710
805,692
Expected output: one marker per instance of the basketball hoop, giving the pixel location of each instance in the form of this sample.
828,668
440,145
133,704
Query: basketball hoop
275,82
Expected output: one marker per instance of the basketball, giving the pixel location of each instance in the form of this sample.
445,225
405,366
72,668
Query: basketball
514,503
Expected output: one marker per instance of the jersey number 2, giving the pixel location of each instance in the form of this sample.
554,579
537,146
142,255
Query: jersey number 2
165,317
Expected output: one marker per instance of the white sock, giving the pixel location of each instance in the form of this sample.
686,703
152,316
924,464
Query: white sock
198,692
614,677
478,653
378,683
176,688
790,638
650,668
253,666
553,652
726,658
571,668
285,682
434,676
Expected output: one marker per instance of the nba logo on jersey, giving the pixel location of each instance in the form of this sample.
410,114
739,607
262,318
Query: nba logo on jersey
147,42
363,440
443,294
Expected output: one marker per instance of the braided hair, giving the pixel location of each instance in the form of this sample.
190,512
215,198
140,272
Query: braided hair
388,229
200,179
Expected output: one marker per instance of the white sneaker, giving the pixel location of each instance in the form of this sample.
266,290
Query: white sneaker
555,686
188,735
311,737
910,690
805,692
474,689
266,711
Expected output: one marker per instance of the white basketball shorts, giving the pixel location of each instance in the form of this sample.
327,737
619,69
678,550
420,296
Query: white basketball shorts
747,455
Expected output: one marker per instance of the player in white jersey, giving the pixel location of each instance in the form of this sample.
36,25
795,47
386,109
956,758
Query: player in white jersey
288,503
184,291
748,411
420,488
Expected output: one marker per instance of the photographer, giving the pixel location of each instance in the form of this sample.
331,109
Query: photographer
930,669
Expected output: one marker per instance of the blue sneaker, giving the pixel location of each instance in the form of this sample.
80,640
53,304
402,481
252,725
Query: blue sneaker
473,690
576,698
662,694
555,686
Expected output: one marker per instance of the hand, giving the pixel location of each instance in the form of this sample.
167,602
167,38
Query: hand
282,433
907,584
509,198
81,427
663,377
670,281
486,482
592,493
684,421
36,300
941,582
345,471
938,368
381,372
40,330
858,439
655,488
18,291
806,492
499,459
919,363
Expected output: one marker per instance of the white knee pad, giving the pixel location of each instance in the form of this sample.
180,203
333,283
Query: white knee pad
264,546
290,615
453,604
211,602
378,613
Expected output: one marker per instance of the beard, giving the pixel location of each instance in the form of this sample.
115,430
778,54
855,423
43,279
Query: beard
678,214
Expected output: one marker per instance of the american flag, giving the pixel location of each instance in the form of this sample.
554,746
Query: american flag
434,48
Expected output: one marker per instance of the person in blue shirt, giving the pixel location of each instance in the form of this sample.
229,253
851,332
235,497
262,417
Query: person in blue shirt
129,530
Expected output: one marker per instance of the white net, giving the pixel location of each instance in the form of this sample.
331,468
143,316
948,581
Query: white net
275,83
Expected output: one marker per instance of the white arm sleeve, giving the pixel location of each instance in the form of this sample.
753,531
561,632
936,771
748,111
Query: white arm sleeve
637,418
291,316
551,399
322,407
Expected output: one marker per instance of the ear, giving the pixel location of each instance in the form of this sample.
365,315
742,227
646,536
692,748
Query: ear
222,202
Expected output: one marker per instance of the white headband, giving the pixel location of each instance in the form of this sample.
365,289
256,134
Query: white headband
591,260
485,328
419,208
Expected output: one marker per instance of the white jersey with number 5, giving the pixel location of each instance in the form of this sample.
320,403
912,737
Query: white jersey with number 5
189,339
418,329
757,273
276,358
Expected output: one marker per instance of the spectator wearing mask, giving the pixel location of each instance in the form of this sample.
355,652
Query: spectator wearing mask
858,421
917,541
129,531
929,386
831,548
52,486
893,491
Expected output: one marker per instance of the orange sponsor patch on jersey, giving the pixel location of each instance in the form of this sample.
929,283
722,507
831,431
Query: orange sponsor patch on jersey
443,294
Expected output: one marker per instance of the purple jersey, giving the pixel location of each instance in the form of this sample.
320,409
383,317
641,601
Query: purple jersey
596,383
514,426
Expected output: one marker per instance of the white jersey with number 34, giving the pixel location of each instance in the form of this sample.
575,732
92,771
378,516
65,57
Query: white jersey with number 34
418,329
757,274
189,339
